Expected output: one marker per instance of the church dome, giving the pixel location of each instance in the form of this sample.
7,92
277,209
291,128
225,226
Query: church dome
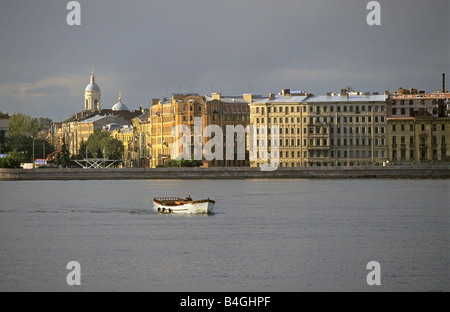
92,86
120,106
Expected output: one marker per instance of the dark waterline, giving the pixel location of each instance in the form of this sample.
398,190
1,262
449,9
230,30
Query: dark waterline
268,235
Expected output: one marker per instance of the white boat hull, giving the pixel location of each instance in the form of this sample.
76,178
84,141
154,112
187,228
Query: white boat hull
193,208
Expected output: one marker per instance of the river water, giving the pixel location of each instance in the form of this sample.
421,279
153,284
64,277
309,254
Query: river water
267,235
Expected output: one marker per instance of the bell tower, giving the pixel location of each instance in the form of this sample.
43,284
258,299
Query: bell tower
92,95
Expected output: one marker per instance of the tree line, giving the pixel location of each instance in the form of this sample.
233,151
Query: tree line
27,137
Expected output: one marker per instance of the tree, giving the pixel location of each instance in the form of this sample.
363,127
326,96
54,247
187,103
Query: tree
82,151
21,130
13,160
20,124
24,144
103,145
3,140
25,125
63,157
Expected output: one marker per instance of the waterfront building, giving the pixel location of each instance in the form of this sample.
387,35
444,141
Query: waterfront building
418,126
81,125
153,132
126,136
419,139
414,103
4,130
345,129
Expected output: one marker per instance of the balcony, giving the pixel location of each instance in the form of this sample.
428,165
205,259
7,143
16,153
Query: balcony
318,147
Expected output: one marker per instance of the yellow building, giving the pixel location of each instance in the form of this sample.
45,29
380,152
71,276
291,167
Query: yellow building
343,129
80,126
126,136
418,140
153,132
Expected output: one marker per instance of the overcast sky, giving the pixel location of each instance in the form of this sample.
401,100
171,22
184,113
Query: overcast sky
147,48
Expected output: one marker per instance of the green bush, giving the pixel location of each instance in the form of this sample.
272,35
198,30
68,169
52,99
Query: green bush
173,163
12,161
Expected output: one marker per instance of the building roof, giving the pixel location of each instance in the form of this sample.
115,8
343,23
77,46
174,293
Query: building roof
350,98
92,87
120,106
289,99
228,99
321,98
94,119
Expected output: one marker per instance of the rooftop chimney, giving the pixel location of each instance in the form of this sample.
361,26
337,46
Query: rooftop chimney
286,92
271,96
216,96
443,83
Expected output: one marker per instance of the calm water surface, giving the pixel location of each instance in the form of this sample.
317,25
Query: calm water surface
267,235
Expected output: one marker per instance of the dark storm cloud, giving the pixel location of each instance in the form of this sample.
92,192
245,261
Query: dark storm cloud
144,48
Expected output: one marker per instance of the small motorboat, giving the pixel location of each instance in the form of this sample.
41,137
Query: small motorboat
180,205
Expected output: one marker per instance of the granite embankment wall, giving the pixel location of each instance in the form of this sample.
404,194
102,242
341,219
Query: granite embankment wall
421,172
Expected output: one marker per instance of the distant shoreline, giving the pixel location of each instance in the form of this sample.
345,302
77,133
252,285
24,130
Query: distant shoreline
403,172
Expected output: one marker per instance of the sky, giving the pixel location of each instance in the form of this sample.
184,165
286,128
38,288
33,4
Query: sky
151,48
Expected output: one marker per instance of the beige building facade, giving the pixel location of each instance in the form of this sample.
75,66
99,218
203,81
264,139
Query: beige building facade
419,140
153,132
345,129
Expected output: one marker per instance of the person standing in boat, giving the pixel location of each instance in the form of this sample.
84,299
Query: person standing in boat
188,198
